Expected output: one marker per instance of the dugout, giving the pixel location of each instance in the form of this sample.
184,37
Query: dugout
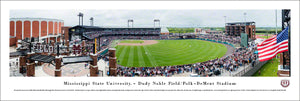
187,37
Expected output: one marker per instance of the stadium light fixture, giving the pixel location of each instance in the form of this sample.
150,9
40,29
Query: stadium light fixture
82,19
92,21
80,15
245,21
225,20
130,20
157,20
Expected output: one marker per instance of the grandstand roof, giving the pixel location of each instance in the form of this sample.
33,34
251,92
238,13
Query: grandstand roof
87,27
91,27
127,27
241,23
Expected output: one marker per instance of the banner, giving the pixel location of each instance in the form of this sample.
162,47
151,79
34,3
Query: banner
95,45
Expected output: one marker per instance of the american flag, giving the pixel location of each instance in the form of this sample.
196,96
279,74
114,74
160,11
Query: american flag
269,48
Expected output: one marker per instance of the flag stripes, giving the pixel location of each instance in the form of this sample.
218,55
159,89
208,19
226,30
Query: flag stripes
269,48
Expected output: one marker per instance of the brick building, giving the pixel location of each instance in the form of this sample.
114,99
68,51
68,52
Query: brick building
65,33
236,28
42,28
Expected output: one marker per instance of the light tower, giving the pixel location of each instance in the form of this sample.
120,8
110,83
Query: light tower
225,20
157,20
225,24
245,21
130,21
80,15
92,21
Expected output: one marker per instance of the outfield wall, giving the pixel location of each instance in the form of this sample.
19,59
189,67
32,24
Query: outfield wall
209,40
217,42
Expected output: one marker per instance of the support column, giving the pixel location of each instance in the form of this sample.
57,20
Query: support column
48,26
15,29
94,66
57,31
58,66
31,29
112,62
53,27
83,48
22,64
67,43
30,69
281,59
68,50
23,27
40,29
53,49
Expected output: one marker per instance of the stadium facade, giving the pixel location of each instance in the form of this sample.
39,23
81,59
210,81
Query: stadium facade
236,28
42,28
85,32
90,33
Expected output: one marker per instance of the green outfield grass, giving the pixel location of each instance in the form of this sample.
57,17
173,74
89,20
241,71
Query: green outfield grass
261,33
132,41
269,69
169,52
266,37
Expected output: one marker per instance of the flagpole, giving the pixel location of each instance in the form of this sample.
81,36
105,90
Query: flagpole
289,41
276,25
286,23
282,28
276,21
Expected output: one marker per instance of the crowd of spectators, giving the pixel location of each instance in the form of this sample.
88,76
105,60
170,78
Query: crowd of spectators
105,42
151,71
94,34
221,37
240,57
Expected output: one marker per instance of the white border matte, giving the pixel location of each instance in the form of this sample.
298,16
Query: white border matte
10,83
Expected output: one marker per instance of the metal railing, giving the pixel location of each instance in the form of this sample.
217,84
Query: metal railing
249,70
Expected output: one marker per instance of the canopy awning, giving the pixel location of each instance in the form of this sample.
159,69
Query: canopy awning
76,59
42,58
18,53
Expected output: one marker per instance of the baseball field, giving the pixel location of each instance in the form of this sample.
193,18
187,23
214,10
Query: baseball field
166,52
132,41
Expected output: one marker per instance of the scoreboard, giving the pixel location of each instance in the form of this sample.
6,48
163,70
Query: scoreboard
244,40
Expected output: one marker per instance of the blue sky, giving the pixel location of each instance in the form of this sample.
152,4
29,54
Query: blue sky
168,18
